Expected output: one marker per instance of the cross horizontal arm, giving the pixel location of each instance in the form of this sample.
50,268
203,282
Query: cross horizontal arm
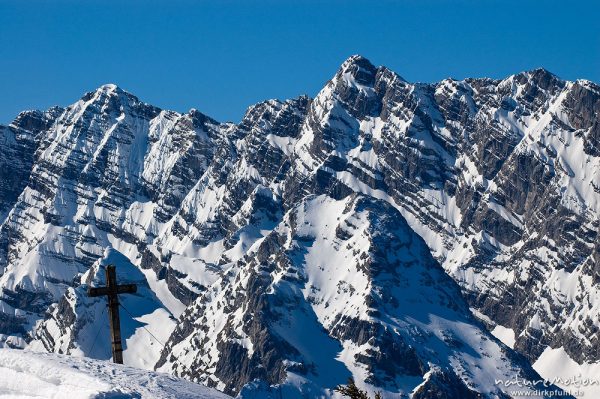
121,289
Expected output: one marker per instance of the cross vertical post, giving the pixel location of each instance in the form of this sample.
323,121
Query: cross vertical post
112,290
113,314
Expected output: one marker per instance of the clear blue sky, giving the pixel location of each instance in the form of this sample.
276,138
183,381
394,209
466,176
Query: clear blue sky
222,56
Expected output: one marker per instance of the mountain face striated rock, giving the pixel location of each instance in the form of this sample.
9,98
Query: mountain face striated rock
308,243
338,288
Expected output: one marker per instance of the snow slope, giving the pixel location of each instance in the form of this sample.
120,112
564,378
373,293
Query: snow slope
25,374
557,367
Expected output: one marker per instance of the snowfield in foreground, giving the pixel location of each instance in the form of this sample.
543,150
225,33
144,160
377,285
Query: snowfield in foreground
25,374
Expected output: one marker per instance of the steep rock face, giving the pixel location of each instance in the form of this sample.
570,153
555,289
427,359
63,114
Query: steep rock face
338,288
105,173
45,240
499,178
525,269
19,142
182,147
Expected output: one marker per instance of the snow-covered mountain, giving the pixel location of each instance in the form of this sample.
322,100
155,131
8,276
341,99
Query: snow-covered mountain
338,288
353,234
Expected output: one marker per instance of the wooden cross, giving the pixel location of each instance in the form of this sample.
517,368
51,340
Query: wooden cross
111,290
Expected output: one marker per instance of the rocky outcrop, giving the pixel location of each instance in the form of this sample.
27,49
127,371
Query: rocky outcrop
338,288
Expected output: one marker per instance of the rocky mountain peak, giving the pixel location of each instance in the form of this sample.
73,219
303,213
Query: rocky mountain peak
200,118
111,99
105,90
539,79
109,87
358,69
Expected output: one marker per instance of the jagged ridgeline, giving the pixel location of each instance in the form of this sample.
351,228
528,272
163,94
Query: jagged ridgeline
350,235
